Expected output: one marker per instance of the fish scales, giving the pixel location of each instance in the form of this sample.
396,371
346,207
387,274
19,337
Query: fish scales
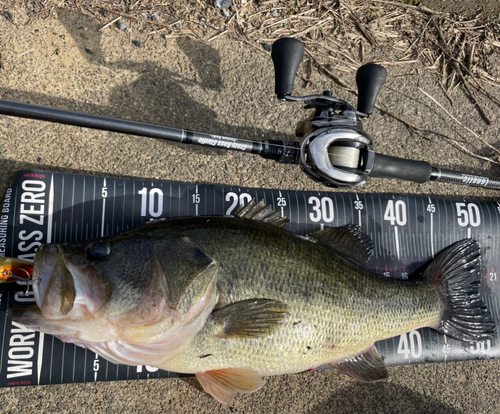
336,308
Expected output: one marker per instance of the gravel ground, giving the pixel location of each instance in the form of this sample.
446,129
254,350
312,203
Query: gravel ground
221,87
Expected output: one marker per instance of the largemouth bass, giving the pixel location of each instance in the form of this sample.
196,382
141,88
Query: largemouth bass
233,299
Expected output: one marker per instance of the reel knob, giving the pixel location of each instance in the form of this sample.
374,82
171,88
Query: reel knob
287,53
370,78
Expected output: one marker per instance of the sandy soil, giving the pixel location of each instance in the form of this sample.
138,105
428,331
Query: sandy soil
222,87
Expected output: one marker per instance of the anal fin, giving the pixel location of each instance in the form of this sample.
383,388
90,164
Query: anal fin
222,384
366,367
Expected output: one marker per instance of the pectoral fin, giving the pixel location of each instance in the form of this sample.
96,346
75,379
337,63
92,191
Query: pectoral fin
252,318
367,366
222,384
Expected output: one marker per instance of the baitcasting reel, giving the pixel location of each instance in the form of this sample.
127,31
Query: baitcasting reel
335,150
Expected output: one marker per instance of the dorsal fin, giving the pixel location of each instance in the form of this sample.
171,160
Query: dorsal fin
350,241
261,212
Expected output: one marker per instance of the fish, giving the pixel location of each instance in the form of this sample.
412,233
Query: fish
235,299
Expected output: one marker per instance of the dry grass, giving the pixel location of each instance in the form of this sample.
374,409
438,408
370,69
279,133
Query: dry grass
339,35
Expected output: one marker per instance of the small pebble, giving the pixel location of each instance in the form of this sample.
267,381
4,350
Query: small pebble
266,47
225,13
122,26
275,13
223,4
8,15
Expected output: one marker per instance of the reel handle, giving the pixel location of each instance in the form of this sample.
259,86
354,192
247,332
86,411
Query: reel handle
370,78
287,53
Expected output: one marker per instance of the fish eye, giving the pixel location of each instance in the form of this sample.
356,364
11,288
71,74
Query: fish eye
98,250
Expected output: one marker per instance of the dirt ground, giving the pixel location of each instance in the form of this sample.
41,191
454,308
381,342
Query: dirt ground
223,87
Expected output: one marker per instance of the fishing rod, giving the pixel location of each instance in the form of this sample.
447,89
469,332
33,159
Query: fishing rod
334,150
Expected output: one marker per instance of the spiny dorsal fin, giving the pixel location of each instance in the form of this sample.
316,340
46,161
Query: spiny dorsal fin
222,384
251,318
261,212
366,367
350,241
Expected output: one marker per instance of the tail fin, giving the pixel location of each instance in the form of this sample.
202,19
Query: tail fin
456,270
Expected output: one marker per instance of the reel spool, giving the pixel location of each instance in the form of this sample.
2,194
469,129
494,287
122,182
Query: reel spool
338,157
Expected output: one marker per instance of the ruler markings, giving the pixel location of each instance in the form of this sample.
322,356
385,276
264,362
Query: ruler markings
282,209
84,182
74,362
62,362
297,209
432,227
288,207
50,210
396,241
403,240
337,213
196,205
51,362
61,209
85,365
407,244
72,210
359,210
113,209
4,330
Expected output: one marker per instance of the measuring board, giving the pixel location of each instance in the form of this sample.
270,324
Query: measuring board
407,230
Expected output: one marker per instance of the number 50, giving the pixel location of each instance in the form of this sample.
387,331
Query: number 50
468,214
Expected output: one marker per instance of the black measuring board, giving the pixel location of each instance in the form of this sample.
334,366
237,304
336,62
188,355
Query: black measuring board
408,231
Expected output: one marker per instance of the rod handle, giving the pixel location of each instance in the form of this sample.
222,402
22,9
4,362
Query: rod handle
386,166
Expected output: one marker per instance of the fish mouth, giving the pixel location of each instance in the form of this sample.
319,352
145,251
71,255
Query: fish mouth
53,284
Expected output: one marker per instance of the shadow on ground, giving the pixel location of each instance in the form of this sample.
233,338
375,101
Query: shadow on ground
381,397
157,96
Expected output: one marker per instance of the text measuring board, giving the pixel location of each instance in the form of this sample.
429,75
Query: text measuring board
407,230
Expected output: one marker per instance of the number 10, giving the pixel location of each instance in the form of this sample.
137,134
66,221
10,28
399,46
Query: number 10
155,202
